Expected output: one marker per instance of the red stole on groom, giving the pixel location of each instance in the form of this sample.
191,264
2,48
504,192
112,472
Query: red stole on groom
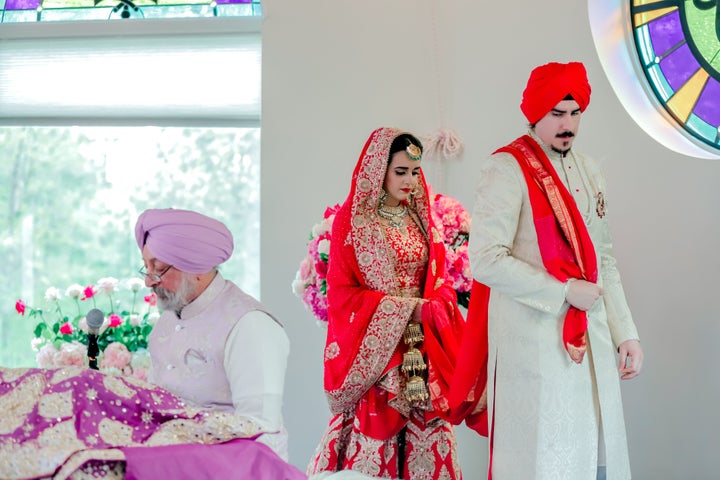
565,245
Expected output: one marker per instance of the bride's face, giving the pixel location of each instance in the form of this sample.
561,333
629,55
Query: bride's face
401,178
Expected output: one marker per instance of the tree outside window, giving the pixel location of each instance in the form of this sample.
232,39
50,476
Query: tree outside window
71,196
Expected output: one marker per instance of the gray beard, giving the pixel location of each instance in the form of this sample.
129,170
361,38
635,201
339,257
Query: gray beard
176,300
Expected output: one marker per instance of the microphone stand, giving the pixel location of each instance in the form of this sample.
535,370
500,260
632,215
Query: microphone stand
95,320
93,351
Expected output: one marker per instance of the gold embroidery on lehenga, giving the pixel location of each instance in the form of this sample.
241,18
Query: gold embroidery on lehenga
388,306
156,399
118,387
91,394
110,465
365,453
332,351
14,405
208,428
56,443
115,433
365,259
11,374
65,373
422,462
56,405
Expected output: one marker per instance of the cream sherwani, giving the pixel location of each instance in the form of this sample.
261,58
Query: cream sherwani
552,419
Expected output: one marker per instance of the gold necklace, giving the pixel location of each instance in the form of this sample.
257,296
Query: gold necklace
395,215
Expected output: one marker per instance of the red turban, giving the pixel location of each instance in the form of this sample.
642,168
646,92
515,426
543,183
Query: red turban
549,84
187,240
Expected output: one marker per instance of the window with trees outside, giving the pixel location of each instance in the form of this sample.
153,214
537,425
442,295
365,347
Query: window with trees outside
95,130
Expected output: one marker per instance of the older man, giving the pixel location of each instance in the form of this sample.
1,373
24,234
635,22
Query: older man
560,333
214,345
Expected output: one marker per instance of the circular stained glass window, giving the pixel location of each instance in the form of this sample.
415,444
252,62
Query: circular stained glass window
678,44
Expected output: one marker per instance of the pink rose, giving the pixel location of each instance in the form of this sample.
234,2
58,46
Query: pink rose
46,356
88,292
321,269
150,299
71,354
67,328
114,320
115,355
307,270
20,307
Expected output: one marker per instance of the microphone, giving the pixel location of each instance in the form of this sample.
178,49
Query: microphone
95,319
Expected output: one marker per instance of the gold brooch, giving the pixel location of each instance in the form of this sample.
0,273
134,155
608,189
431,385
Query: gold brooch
600,205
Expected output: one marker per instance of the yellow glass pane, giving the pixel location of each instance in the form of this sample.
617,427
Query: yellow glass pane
637,3
684,99
645,17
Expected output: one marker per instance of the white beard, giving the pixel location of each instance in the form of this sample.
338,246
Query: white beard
176,300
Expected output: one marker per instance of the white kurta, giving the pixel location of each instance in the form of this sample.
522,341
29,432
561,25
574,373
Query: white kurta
547,410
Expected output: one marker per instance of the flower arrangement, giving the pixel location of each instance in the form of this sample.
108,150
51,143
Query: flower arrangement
451,218
454,219
61,330
310,281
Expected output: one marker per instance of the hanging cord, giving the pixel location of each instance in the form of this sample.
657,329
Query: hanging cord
443,144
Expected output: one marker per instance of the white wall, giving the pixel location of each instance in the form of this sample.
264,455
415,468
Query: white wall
333,70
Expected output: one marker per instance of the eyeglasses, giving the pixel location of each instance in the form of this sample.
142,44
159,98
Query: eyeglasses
155,277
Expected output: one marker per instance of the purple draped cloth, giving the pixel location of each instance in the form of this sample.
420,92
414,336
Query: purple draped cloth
56,422
241,459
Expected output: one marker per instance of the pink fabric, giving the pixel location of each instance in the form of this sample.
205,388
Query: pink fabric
241,459
549,84
70,415
187,240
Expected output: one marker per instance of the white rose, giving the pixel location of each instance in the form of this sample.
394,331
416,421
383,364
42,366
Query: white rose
74,290
35,343
134,320
135,284
107,285
141,359
318,229
46,356
82,324
153,317
52,294
298,286
324,246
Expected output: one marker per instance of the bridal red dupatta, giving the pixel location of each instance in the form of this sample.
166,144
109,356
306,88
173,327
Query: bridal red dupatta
367,315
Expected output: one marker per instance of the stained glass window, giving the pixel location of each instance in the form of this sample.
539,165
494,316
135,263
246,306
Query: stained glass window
23,11
678,45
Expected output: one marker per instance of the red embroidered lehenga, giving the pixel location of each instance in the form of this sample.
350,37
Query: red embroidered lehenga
377,275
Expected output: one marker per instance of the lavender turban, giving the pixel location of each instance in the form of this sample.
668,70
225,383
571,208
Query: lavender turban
189,241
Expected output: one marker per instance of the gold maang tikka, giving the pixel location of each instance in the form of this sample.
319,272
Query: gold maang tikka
414,152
